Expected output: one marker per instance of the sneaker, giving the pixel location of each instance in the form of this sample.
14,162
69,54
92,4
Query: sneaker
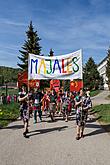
66,120
77,137
24,134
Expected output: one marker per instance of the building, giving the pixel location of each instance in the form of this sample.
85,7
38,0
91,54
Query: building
102,71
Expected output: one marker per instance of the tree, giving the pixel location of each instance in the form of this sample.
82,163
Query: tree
51,53
91,75
108,68
30,46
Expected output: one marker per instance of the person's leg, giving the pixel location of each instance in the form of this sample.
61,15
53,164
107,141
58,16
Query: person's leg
82,129
40,113
66,115
25,128
78,132
51,112
35,116
78,126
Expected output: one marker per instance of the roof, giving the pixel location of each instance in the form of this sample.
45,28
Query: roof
103,60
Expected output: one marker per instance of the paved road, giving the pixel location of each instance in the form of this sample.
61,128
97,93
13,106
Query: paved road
54,144
101,98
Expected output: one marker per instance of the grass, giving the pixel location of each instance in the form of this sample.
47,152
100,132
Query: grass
94,93
10,91
108,97
8,113
102,112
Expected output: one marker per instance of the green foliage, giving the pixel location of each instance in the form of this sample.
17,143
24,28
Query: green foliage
8,113
92,78
8,74
108,68
30,46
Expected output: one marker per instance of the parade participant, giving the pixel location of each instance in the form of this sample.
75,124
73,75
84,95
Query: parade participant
88,92
59,103
65,104
45,102
8,99
31,101
52,105
81,114
25,112
22,93
15,97
37,105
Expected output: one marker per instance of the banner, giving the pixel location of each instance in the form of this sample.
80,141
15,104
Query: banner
64,67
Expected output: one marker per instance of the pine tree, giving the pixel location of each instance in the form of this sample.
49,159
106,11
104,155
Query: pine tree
91,75
108,68
30,46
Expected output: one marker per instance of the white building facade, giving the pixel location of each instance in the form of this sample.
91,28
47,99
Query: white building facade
102,71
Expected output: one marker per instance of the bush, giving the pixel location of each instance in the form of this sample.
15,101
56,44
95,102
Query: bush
8,113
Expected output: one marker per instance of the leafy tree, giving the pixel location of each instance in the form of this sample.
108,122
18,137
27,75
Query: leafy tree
108,68
91,75
30,46
8,74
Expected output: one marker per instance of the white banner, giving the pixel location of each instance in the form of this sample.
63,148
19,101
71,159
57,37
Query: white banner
66,67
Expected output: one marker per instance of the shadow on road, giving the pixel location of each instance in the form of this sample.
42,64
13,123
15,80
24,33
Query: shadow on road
43,131
13,127
99,129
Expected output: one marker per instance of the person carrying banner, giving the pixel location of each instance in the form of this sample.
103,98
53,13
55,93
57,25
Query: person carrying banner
23,99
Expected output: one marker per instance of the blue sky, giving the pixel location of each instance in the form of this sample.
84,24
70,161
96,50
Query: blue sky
64,25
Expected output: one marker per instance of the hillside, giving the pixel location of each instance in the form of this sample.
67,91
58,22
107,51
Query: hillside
8,74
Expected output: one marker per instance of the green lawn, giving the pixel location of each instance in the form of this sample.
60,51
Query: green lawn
10,91
8,113
94,93
102,112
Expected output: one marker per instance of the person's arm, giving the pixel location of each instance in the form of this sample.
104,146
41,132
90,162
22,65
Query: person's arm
23,98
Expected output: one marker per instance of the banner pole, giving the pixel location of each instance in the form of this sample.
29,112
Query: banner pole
28,84
82,69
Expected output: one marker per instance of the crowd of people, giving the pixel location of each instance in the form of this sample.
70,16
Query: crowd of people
51,104
7,99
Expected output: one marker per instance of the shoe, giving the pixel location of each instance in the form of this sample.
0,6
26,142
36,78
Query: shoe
19,118
77,137
24,134
66,120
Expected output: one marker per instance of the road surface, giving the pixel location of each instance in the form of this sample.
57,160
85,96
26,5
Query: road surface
54,144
